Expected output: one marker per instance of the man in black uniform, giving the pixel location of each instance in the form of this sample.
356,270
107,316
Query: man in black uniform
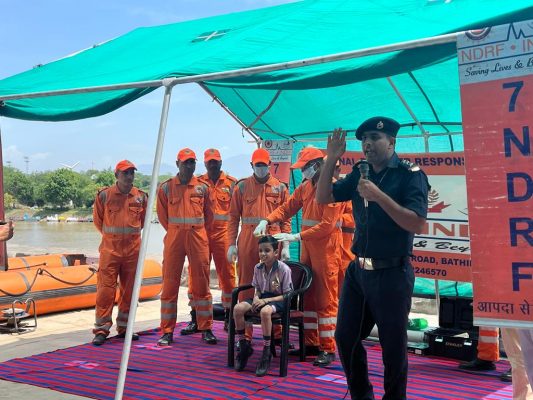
390,204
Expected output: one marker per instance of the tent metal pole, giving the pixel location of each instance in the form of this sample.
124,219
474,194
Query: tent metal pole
119,391
437,296
3,245
258,118
231,114
410,44
411,112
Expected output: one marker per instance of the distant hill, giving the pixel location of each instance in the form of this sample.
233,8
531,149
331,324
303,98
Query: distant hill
237,166
146,169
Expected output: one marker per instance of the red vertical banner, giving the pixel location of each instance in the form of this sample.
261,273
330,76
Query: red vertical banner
280,154
496,73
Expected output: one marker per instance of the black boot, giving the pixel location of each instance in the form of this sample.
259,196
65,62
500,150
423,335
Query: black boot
166,339
208,337
477,364
122,335
244,352
324,359
99,339
226,319
192,326
507,376
264,362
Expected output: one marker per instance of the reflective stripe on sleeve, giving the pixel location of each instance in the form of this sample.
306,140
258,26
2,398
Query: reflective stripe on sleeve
309,222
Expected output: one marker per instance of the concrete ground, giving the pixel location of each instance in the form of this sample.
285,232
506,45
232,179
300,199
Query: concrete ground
62,330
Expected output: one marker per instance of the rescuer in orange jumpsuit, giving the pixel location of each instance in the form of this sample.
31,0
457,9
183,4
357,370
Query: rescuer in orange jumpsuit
118,214
221,188
321,240
183,210
488,351
348,230
253,199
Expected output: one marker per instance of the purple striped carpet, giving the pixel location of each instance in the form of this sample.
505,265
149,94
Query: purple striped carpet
192,370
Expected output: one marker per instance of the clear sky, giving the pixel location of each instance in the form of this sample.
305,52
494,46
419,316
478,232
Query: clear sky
40,31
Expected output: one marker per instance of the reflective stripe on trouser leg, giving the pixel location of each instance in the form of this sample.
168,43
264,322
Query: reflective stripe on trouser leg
191,303
326,333
173,260
310,314
169,314
323,292
197,249
310,327
122,321
126,282
488,348
218,246
102,325
106,286
204,309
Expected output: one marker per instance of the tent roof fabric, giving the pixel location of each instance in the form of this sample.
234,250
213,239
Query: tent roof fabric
302,103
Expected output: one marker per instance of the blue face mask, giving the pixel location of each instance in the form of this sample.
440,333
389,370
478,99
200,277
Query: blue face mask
261,172
310,172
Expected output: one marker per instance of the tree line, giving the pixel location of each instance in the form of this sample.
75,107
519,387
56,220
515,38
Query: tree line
61,188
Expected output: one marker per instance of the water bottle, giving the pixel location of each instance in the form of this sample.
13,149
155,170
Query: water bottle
417,324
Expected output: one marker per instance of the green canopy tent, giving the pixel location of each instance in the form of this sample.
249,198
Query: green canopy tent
293,71
302,103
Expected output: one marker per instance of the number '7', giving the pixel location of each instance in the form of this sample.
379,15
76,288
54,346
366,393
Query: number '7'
516,86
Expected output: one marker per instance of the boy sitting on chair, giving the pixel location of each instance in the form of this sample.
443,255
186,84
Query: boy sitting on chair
272,278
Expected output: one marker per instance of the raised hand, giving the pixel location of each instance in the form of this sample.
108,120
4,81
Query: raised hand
336,144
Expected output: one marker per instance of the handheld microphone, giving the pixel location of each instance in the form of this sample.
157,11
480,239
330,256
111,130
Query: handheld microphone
364,170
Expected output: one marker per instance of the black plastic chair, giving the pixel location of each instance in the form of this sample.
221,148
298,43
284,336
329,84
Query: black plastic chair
294,302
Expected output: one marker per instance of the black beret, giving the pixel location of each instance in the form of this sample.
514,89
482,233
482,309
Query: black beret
378,124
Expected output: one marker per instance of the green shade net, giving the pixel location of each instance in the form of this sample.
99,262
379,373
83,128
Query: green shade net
304,103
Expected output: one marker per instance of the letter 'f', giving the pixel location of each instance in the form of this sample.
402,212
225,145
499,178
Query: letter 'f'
517,276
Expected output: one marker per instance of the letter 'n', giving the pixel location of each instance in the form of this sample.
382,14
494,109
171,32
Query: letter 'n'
524,146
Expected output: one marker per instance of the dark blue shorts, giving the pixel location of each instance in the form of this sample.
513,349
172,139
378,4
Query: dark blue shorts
280,305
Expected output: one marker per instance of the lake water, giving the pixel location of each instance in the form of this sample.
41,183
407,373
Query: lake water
70,237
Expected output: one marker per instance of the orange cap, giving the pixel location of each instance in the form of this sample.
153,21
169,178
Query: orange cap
186,154
212,154
307,154
261,156
124,165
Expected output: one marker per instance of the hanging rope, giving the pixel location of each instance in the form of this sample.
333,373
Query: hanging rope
41,271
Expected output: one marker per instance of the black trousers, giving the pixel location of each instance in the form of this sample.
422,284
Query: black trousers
381,297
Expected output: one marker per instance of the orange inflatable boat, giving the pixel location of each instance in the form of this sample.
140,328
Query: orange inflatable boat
61,282
47,260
